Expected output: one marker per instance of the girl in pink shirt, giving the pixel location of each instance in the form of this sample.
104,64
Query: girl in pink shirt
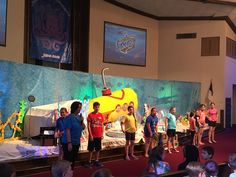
212,119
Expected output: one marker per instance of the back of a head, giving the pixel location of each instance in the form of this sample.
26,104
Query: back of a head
209,150
191,153
7,170
194,169
232,161
211,168
104,172
59,168
156,154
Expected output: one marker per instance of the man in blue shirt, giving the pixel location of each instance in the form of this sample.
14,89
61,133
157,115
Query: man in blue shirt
150,131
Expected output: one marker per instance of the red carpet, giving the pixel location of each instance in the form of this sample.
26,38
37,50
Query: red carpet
226,143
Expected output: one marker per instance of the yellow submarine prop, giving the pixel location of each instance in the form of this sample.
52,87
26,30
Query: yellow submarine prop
114,104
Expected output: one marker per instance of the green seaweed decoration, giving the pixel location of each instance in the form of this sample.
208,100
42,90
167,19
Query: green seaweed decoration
23,106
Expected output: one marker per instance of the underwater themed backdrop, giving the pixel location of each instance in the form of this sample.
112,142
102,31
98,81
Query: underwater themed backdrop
49,85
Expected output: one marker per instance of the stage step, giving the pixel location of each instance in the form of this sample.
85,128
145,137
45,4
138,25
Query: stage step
38,165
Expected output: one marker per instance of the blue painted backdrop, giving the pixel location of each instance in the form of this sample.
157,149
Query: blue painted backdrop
48,85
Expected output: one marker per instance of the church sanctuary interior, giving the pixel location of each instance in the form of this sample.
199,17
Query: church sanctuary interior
117,88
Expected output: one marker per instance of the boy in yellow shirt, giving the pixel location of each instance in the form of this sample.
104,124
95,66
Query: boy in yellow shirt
129,127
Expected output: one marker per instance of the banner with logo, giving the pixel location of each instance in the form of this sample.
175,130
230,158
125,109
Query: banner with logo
50,30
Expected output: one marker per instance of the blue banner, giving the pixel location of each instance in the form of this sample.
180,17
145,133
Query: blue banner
50,30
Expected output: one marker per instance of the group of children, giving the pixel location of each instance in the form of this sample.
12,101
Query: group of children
197,121
95,127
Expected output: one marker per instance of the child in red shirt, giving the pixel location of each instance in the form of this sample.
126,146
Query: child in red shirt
96,129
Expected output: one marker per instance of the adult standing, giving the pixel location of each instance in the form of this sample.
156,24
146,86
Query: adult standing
212,119
74,126
171,129
150,131
129,127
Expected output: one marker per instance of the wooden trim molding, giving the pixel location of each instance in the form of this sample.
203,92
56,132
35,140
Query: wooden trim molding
225,18
228,3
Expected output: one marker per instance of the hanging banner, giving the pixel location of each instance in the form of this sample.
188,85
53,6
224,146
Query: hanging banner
50,30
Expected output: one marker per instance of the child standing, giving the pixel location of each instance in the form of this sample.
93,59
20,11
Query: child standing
150,131
60,131
96,130
192,128
129,127
202,118
171,131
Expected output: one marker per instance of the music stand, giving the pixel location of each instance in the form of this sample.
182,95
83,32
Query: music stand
31,99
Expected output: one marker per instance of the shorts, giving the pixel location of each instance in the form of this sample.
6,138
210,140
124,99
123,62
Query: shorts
95,144
212,123
130,136
171,132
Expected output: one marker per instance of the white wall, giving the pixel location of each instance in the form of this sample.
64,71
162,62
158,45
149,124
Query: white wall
180,59
14,50
101,11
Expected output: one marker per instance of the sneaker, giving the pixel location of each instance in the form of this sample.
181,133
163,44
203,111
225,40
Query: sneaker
88,165
98,164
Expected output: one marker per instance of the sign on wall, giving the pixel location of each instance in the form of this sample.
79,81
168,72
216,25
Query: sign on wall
124,45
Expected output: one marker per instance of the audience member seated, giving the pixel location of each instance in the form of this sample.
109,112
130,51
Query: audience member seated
207,153
194,169
104,172
156,162
232,164
190,153
7,170
211,169
61,168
